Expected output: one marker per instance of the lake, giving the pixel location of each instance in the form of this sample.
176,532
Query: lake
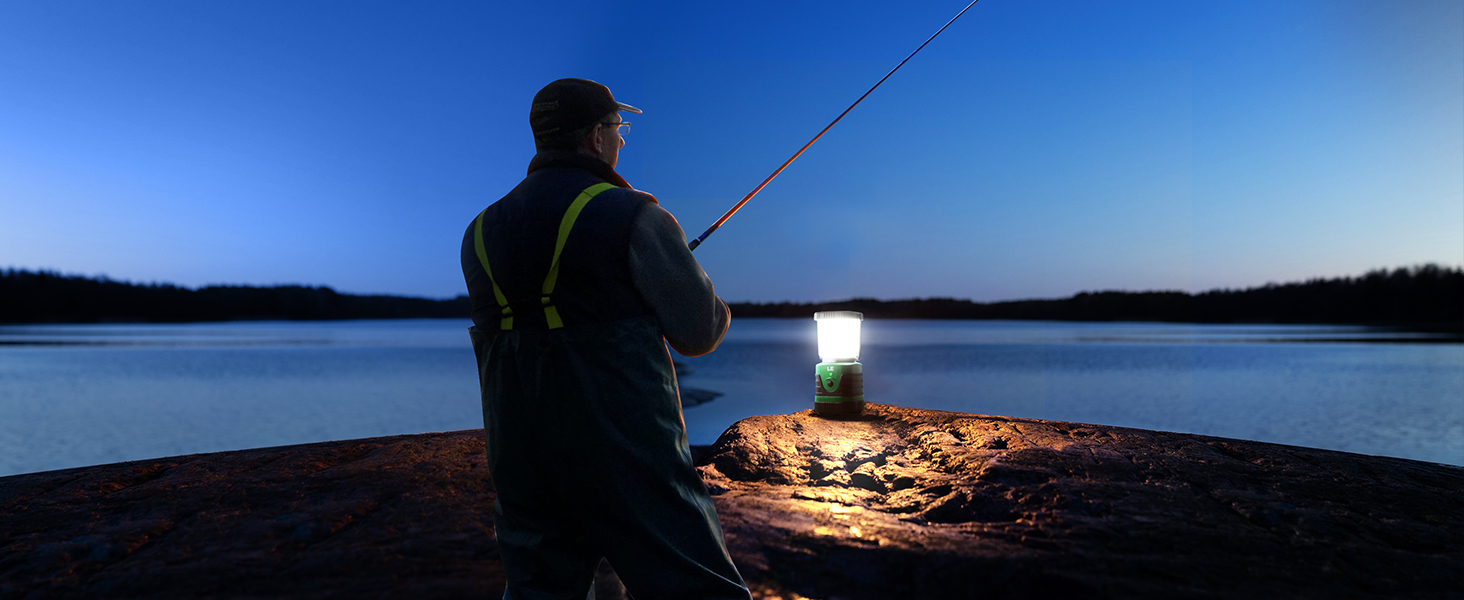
75,395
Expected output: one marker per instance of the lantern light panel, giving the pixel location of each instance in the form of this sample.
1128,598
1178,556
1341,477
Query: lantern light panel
838,337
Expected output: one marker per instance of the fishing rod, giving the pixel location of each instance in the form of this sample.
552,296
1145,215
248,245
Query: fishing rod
697,242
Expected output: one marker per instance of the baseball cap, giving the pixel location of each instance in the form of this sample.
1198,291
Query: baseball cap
570,104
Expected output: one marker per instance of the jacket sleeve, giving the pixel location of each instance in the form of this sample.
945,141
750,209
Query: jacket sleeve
693,318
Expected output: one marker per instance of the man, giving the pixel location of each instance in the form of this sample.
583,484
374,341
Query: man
578,282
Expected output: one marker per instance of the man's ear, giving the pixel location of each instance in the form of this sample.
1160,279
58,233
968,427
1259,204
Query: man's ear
596,142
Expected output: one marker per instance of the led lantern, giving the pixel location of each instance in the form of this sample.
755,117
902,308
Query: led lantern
839,386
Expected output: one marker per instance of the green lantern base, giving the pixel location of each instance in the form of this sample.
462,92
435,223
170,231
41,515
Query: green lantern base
838,388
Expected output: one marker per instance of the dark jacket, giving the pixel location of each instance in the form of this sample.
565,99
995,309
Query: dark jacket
519,231
668,280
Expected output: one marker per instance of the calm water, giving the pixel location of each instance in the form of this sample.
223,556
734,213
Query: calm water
73,395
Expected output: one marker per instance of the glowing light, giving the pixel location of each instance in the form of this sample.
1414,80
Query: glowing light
838,335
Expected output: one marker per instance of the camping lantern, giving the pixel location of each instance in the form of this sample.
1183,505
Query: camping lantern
839,386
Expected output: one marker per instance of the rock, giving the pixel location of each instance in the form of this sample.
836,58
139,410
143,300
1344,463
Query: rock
392,517
898,503
903,503
695,396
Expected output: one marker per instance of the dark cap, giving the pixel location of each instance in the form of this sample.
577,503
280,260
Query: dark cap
570,104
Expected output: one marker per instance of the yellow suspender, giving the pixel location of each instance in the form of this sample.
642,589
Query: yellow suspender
507,322
551,314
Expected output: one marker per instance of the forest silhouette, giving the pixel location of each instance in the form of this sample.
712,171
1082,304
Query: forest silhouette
47,297
1423,297
1427,296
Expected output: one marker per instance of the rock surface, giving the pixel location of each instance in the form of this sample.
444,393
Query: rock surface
905,503
898,503
394,517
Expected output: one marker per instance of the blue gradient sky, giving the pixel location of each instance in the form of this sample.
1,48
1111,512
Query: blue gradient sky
1035,149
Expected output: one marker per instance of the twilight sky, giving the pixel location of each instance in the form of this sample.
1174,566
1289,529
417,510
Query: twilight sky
1036,149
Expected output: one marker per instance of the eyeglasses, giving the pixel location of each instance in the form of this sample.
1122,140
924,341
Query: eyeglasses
620,127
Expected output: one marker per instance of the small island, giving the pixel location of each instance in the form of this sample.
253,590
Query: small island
897,503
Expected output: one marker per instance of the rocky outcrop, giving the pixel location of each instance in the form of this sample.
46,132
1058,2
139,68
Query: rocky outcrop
897,503
903,503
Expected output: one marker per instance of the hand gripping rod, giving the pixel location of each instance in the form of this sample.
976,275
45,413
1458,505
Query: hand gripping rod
697,242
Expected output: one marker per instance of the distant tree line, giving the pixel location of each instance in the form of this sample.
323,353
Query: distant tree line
46,297
1428,295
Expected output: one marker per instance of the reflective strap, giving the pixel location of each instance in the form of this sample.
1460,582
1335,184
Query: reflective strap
507,322
551,314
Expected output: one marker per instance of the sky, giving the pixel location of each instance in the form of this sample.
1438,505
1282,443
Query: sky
1036,149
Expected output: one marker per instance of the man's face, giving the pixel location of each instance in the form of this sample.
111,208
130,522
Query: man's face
610,140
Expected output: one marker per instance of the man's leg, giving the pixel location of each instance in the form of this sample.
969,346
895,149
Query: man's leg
667,544
626,452
545,555
544,558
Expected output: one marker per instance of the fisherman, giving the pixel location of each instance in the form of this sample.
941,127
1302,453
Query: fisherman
578,282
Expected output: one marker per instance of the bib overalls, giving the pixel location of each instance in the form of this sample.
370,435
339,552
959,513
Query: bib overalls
586,445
